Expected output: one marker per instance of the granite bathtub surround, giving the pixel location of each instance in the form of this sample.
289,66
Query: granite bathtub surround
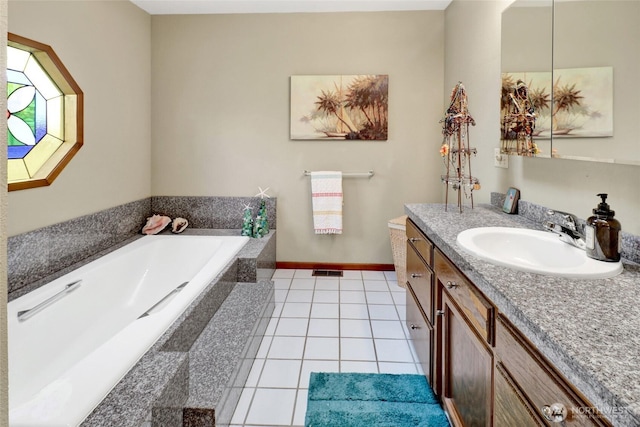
40,253
193,374
587,328
37,257
212,212
537,213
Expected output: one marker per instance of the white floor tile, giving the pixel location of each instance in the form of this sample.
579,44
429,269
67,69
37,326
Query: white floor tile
326,297
286,348
387,329
399,298
355,328
283,273
395,287
327,283
391,276
383,312
302,274
351,285
300,410
271,327
281,283
357,349
242,408
292,326
354,311
352,274
277,309
254,374
309,366
296,309
322,348
364,367
325,311
280,373
352,297
373,275
263,350
375,297
323,328
280,295
376,285
397,368
272,407
303,284
298,295
393,351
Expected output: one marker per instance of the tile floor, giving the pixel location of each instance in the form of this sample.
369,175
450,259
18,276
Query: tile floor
350,324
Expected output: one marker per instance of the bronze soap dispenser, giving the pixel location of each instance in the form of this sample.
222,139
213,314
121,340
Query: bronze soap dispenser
602,233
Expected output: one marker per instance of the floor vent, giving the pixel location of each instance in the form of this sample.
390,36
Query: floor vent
327,273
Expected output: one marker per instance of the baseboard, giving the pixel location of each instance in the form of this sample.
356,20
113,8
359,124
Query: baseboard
332,266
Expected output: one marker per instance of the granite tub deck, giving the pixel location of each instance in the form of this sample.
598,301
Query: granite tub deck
589,329
193,375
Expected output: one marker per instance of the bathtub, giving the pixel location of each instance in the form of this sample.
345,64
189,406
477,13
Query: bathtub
72,340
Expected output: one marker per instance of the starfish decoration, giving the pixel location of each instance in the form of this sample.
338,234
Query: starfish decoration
263,193
247,206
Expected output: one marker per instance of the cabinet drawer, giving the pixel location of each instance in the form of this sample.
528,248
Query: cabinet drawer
420,242
421,334
540,382
477,309
420,277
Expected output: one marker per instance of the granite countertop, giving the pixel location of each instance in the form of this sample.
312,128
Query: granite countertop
589,329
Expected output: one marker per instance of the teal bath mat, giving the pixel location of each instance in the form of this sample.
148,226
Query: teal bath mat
355,400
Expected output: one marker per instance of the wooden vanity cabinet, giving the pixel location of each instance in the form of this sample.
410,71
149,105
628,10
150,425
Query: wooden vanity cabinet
484,371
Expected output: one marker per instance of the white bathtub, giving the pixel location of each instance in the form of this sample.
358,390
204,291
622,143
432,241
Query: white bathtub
66,358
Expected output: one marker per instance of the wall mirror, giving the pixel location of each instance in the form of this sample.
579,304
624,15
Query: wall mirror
583,57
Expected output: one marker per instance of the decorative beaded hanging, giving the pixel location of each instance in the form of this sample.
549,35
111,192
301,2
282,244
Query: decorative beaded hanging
455,148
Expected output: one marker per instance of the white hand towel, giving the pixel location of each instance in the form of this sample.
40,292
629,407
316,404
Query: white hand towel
326,201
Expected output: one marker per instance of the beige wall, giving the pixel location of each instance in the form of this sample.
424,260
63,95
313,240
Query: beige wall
473,56
106,47
220,118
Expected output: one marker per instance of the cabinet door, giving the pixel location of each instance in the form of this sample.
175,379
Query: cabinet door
539,381
467,369
421,333
510,406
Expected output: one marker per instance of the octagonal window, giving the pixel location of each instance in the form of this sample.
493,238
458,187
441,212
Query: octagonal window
44,114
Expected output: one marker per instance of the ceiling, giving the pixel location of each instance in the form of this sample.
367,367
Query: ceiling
171,7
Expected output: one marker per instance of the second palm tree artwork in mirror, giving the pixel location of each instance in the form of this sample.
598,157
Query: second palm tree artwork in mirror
339,107
571,103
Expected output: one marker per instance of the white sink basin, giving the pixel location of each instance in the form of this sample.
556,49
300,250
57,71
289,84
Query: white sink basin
534,251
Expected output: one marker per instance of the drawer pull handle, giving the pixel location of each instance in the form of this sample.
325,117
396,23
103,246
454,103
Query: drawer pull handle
414,239
415,275
414,327
556,412
451,285
439,312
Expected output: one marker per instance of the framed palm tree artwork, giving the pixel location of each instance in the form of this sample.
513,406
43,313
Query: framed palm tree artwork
339,107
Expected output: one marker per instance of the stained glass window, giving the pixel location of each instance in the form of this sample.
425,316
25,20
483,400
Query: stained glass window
44,114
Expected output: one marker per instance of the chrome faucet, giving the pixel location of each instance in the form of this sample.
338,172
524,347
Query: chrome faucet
568,230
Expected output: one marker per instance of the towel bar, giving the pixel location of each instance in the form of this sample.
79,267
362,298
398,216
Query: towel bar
350,174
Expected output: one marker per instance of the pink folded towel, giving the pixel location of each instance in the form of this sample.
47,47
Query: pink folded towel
326,201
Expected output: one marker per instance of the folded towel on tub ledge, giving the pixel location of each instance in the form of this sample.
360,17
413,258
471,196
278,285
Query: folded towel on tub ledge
326,202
